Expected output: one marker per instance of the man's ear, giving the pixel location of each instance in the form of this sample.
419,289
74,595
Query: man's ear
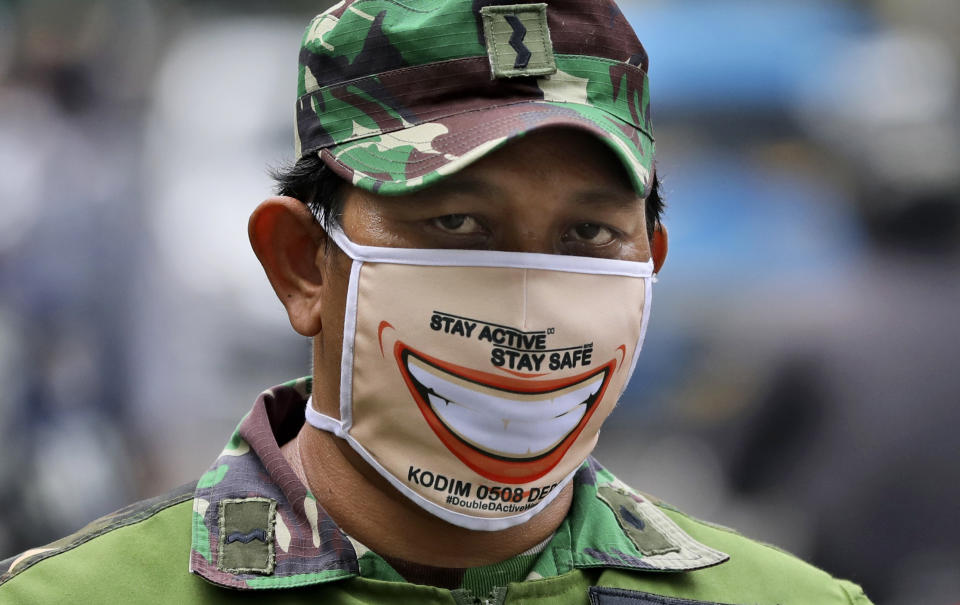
286,239
658,246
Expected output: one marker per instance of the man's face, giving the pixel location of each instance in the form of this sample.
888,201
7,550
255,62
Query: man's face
553,192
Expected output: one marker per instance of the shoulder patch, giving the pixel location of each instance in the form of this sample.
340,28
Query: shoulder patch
129,515
635,525
600,595
246,535
661,543
518,40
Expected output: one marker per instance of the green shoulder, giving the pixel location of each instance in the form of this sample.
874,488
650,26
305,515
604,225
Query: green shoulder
117,550
756,573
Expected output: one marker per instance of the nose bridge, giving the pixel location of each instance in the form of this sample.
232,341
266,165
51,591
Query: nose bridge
516,282
529,231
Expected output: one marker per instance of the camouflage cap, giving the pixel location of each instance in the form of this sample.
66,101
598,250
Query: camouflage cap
395,94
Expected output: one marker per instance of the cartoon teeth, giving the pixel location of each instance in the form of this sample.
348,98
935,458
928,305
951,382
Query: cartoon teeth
506,424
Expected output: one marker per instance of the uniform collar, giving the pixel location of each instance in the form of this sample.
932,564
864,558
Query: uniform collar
255,525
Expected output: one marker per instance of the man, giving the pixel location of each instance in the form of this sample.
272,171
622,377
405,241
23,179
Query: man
469,236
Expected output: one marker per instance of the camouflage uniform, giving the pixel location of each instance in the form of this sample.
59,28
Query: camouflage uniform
250,528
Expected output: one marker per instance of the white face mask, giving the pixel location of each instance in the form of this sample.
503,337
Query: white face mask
476,381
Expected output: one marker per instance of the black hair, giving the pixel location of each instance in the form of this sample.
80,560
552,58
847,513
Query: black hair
313,183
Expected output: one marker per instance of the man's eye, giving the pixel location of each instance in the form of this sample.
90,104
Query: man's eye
457,223
590,233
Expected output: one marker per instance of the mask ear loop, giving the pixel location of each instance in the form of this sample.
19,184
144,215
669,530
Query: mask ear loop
322,421
341,427
349,339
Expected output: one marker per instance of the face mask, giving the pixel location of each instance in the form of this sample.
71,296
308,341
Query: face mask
476,381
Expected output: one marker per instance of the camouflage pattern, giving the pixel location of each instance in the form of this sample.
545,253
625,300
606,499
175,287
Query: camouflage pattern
309,548
137,555
394,96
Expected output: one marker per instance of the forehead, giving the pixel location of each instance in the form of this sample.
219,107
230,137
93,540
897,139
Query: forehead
556,153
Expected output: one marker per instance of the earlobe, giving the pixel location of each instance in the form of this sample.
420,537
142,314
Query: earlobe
286,239
658,247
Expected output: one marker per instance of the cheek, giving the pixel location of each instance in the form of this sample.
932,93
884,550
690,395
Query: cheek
328,344
335,269
636,249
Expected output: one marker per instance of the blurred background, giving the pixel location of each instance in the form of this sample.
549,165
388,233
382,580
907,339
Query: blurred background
800,378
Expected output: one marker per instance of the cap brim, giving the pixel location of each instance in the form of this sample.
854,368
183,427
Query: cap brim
412,158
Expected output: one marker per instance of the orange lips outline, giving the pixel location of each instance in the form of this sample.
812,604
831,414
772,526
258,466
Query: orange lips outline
497,468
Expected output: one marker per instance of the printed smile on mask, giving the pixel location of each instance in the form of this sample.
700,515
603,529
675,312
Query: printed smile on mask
505,429
521,426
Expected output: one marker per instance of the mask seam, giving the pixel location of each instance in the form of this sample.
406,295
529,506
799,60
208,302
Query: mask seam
524,323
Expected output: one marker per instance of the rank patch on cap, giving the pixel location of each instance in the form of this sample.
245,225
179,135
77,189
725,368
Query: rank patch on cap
518,40
246,535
